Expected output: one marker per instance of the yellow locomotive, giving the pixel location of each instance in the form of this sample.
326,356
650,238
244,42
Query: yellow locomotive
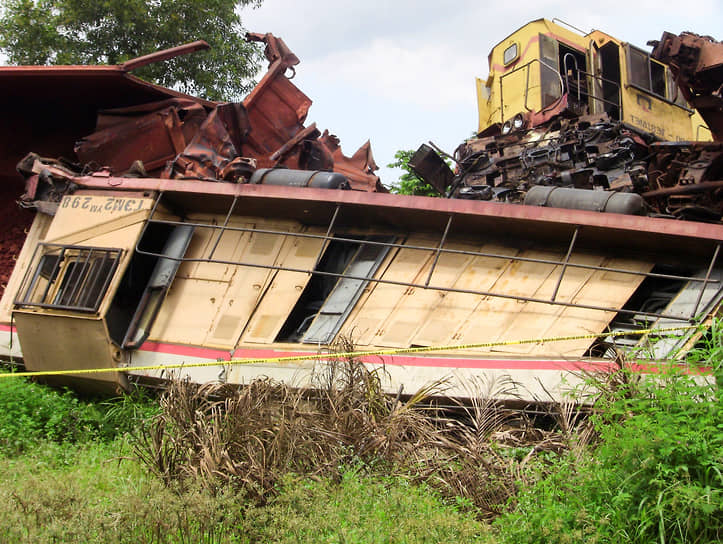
544,68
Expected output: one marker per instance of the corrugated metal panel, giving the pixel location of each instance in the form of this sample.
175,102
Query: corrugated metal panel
366,325
441,324
285,289
246,287
418,305
537,320
493,316
600,288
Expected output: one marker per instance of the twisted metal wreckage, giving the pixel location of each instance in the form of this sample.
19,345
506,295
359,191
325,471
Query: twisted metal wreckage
187,234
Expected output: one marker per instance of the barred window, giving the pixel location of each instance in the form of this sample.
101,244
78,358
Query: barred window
66,277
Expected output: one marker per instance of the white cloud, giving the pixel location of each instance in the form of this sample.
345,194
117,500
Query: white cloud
428,76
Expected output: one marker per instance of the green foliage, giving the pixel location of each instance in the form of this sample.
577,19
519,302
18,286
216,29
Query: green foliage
31,414
409,183
362,508
113,31
656,475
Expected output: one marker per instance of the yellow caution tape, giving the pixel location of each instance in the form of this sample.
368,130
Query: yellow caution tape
343,355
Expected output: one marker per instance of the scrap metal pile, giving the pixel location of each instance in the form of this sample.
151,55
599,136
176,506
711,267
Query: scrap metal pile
595,155
262,140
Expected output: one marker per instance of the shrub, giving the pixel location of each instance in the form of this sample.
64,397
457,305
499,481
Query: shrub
31,413
655,476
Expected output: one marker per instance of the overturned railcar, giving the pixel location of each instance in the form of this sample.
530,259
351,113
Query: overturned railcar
198,259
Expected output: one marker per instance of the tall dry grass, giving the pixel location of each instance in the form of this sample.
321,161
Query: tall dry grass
250,437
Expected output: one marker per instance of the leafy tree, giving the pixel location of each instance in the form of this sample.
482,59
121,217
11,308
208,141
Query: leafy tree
409,183
113,31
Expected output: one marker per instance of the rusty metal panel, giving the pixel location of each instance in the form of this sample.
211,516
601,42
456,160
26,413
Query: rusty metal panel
36,233
697,64
153,139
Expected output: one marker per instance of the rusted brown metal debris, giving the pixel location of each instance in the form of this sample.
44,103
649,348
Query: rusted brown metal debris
697,64
590,158
186,138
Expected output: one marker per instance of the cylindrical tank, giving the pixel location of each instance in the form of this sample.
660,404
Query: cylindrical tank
585,199
300,178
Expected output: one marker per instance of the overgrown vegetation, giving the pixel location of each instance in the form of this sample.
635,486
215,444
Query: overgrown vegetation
349,464
655,473
32,414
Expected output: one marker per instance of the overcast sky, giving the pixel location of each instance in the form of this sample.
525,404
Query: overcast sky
400,73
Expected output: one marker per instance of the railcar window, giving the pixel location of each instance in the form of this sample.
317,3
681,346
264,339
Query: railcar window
68,277
329,297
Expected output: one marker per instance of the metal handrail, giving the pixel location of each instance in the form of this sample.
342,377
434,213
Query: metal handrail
527,85
436,251
558,20
619,103
577,71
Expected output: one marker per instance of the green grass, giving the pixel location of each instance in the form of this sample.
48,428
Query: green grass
88,493
654,473
364,508
85,493
31,414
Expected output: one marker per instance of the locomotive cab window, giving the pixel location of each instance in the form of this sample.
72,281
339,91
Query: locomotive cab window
510,54
647,74
67,277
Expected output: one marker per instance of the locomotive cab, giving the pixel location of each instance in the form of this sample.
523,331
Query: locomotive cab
544,69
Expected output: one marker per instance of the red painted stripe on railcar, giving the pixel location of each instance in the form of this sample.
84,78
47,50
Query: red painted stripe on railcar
394,360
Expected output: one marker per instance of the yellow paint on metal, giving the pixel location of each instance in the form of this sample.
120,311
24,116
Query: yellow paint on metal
530,81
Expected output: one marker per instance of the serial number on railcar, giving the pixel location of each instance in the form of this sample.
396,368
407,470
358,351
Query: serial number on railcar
102,205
